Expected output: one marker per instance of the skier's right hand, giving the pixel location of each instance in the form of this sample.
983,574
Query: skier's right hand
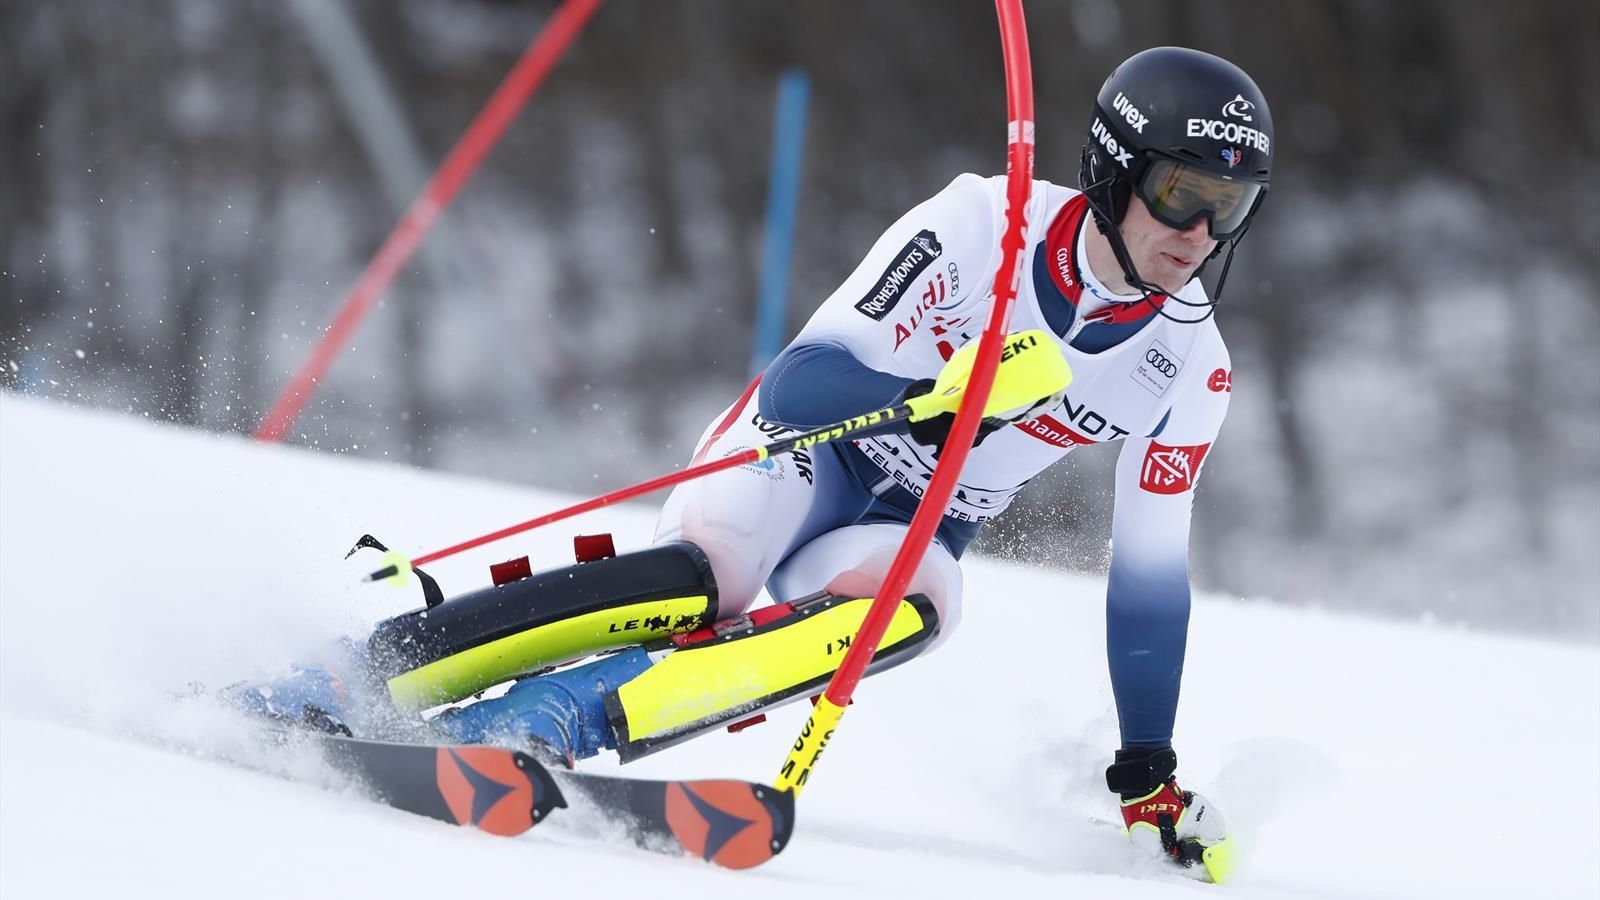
933,431
1032,377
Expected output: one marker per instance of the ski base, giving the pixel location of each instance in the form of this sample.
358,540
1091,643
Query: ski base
731,823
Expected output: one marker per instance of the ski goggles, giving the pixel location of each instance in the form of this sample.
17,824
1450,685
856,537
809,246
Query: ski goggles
1178,195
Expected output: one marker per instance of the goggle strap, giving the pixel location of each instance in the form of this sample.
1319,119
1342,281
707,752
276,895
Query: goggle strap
1227,262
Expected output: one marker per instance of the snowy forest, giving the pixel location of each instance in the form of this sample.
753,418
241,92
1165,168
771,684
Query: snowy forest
189,188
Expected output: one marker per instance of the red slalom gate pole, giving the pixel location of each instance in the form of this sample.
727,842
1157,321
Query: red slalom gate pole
830,707
480,137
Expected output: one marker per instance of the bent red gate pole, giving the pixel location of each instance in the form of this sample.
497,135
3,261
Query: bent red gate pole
480,137
825,716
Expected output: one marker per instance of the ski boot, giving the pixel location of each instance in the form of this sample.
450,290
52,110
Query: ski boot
559,716
320,697
1167,822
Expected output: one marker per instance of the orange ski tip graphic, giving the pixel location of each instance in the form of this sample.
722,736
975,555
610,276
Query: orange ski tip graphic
484,787
722,822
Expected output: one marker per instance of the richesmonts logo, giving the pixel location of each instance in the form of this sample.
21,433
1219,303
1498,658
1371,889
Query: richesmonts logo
910,262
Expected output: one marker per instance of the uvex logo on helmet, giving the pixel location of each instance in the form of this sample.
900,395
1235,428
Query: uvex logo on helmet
1103,135
1136,119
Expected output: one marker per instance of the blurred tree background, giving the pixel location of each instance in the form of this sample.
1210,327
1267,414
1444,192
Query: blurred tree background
186,196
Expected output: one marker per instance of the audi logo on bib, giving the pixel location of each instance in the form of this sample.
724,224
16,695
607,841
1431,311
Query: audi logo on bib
1157,368
1163,365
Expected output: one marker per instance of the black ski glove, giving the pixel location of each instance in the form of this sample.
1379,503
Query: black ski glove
935,431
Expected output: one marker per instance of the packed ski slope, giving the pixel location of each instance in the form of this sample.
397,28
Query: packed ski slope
1355,758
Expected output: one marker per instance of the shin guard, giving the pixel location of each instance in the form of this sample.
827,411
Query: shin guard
429,657
740,668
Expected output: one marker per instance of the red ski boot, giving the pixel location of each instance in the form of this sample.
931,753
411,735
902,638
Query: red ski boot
1166,822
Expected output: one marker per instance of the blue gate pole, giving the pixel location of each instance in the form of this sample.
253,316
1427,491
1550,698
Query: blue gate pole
783,188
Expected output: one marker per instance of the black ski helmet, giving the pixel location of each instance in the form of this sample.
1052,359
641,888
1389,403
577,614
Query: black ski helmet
1171,116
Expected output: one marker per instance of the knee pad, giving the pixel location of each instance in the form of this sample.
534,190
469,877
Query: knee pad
429,657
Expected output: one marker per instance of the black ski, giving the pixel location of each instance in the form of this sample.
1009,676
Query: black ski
500,791
735,824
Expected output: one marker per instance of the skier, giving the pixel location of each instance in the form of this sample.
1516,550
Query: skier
1174,167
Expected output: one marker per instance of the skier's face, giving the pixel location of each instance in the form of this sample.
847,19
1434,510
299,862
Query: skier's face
1163,255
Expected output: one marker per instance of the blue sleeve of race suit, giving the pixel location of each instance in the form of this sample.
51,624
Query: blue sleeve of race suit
1147,628
815,384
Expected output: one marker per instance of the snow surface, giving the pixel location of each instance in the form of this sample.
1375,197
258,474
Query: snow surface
1354,758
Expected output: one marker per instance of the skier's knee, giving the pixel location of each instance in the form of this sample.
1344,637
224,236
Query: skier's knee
737,581
732,533
938,577
852,561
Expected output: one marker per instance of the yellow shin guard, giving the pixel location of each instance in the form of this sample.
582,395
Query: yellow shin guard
744,669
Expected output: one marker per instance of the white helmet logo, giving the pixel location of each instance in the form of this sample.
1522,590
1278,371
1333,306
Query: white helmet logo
1238,107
